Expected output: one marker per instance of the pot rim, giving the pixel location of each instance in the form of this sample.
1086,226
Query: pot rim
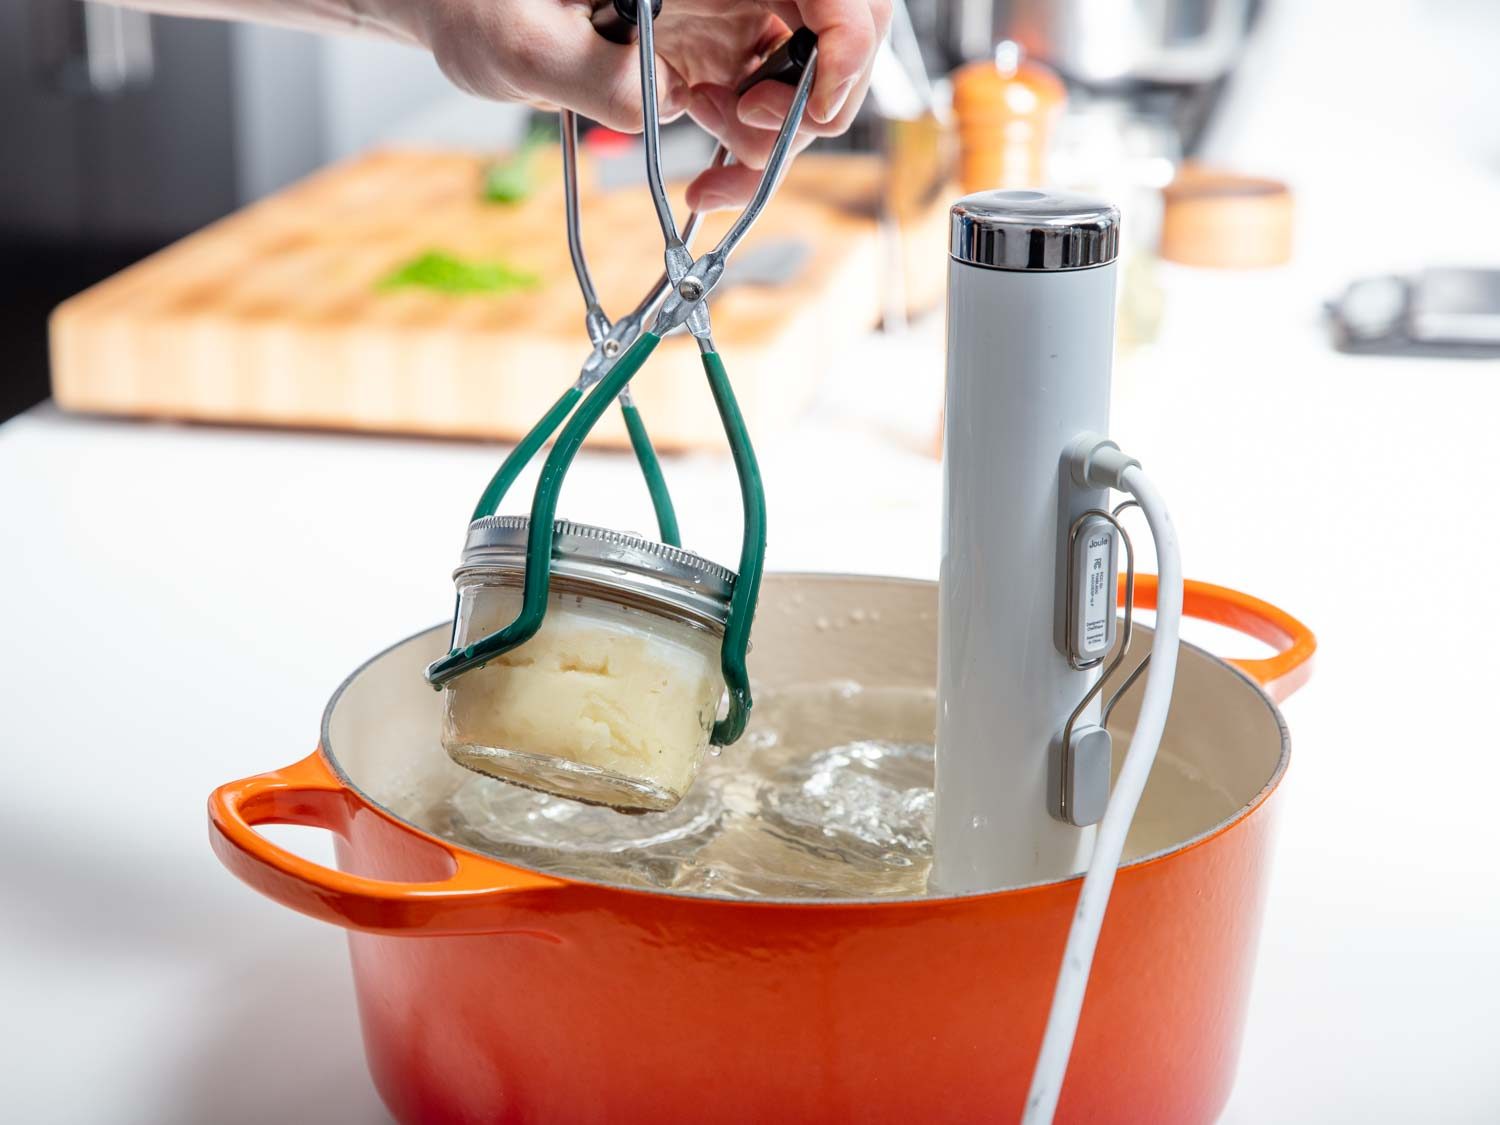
325,751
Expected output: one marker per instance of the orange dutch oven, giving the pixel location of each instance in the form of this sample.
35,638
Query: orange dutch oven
488,992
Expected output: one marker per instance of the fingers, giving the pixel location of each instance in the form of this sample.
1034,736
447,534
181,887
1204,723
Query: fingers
721,112
718,188
749,124
548,54
713,107
729,186
849,31
765,107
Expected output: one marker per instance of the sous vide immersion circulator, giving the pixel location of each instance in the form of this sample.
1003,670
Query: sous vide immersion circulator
1031,294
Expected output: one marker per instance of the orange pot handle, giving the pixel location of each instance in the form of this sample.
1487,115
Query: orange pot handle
309,793
1279,675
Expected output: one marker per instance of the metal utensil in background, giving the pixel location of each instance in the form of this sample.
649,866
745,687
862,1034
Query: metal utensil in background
1173,42
98,50
918,153
1171,57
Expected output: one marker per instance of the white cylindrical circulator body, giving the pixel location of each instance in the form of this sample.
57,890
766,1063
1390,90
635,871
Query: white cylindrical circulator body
1030,332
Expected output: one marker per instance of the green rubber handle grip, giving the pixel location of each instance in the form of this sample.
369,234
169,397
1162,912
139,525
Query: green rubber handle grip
543,514
521,455
537,436
656,483
736,647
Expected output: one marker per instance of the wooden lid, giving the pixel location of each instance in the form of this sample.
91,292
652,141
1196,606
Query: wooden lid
1223,219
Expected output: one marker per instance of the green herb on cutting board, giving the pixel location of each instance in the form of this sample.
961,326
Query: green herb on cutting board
444,273
511,180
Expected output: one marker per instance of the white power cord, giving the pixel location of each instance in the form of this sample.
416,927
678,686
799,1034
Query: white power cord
1109,843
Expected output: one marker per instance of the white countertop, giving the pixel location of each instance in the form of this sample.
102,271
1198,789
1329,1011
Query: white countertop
177,603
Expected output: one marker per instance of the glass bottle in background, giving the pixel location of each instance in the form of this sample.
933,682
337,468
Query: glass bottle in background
1104,147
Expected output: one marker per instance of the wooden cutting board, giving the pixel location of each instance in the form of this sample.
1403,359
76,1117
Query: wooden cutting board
274,316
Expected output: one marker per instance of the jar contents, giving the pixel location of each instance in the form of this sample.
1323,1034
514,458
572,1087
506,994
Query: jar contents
613,699
601,705
829,796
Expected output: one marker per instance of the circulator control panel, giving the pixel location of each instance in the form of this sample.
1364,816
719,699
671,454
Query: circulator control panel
1088,555
1092,590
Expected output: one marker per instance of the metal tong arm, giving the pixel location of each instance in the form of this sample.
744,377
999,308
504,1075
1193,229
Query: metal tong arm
793,60
601,334
543,514
694,280
651,131
594,319
786,65
799,56
608,343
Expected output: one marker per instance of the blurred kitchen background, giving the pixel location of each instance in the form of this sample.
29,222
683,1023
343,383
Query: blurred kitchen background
1232,132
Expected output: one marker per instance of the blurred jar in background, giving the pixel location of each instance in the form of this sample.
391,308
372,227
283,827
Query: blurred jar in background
1108,148
1006,109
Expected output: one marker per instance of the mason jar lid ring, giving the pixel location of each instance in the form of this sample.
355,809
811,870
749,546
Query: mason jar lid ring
614,563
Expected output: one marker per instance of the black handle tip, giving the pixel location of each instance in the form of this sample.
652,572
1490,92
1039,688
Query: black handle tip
615,20
787,63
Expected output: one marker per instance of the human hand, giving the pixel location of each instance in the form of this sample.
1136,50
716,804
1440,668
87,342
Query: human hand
546,53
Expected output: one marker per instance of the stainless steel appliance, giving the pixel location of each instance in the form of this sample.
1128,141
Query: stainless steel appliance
1166,57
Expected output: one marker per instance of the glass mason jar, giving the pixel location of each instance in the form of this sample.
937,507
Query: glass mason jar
613,700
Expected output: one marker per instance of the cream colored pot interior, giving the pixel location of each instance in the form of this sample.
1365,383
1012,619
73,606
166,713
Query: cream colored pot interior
1225,743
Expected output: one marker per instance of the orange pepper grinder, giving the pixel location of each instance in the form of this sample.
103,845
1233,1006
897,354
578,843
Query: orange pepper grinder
1006,108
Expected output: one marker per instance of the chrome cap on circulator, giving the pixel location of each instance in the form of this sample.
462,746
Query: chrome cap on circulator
1039,231
599,559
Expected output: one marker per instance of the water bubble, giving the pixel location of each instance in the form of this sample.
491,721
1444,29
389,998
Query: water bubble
762,739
